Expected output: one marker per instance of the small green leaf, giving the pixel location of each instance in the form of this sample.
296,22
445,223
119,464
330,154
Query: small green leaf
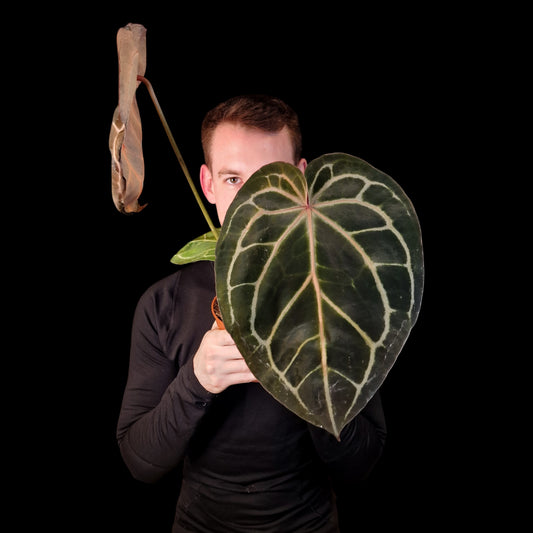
200,249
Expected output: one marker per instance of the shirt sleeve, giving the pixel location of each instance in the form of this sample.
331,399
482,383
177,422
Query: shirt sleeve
163,402
352,458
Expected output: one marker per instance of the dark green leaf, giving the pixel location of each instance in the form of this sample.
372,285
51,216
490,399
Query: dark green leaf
319,280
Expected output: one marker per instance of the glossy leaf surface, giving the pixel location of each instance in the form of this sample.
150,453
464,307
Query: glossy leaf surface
319,279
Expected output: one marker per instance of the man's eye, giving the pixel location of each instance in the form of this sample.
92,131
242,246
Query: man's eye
233,180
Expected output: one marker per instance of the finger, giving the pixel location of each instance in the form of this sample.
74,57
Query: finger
226,353
241,377
220,337
238,366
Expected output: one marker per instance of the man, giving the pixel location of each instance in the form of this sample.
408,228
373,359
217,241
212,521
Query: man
249,464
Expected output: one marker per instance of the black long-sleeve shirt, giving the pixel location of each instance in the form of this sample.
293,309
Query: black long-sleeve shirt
249,464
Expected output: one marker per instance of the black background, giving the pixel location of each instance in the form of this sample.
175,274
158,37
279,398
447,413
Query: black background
394,88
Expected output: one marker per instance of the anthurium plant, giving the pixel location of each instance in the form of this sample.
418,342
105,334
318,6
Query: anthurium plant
319,281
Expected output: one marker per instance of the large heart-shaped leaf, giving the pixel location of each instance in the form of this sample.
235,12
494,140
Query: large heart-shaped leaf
319,279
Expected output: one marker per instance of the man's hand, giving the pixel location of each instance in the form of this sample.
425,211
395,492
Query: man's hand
218,363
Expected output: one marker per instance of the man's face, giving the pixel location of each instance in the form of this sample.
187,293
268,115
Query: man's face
236,153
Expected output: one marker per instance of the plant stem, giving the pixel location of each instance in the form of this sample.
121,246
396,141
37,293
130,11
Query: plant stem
178,154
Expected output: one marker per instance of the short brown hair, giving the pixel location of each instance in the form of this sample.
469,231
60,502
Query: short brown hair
259,111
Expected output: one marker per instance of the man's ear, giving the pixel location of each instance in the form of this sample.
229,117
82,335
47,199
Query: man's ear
302,165
206,181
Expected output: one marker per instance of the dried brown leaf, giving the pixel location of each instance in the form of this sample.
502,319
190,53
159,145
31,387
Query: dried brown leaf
125,137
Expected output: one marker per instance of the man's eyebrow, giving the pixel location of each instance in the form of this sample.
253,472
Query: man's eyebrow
228,172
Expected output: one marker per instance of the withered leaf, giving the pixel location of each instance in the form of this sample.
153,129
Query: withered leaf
125,138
